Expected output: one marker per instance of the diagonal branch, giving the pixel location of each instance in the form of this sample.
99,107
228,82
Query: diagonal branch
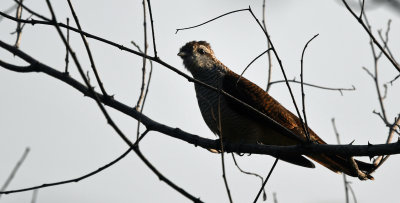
15,170
359,19
269,49
85,42
266,180
282,70
152,29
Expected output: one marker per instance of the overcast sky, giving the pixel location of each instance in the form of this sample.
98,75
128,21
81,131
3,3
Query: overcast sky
68,135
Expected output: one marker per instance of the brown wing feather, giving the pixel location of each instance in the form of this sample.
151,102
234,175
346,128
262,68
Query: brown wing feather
256,97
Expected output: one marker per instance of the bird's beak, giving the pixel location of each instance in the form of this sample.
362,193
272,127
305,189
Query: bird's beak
182,54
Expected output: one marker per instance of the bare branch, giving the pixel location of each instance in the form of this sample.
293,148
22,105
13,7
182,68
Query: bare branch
395,78
221,142
249,173
252,63
186,28
362,9
18,30
302,88
11,9
316,86
31,11
281,66
15,170
345,182
75,180
275,198
269,53
141,95
34,196
395,65
266,180
89,52
67,50
152,30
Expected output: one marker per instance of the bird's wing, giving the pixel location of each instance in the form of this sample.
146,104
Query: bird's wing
253,95
259,99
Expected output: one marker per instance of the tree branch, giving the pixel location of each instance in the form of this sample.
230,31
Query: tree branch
359,19
316,86
15,170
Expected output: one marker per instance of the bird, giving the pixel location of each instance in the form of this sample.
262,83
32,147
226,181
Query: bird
230,120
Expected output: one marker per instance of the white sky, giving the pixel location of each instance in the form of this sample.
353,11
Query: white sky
69,137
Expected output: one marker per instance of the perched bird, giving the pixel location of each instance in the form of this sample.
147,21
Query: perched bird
227,117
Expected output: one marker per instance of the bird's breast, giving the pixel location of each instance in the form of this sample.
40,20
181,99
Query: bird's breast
221,118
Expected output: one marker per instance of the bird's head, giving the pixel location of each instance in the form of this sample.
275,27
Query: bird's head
197,56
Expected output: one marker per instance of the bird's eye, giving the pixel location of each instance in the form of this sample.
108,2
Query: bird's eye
201,51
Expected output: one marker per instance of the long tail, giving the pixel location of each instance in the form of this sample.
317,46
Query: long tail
340,164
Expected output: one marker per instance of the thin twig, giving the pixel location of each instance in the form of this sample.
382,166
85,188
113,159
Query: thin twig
164,179
275,198
18,30
222,147
11,9
386,39
302,88
152,30
141,95
146,91
393,129
316,86
67,50
346,189
142,92
378,91
266,180
395,78
251,63
89,52
186,28
352,192
32,12
15,170
249,173
269,53
362,9
395,65
281,66
34,196
75,180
